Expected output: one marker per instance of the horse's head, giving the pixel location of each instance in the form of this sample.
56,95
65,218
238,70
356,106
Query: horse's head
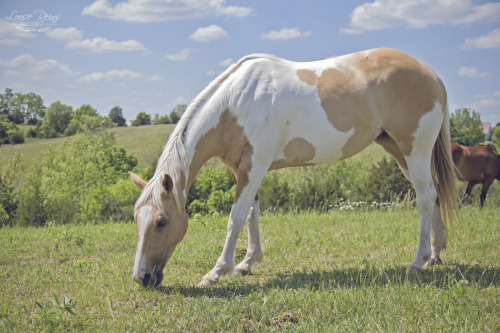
161,227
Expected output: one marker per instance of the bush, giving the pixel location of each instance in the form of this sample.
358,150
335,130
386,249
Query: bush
385,182
31,133
7,203
75,182
213,190
17,137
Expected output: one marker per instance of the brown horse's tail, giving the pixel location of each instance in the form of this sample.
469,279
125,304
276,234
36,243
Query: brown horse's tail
444,173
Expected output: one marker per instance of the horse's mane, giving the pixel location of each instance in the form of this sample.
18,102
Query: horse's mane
174,157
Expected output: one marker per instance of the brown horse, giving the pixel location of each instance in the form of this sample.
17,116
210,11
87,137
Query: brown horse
478,164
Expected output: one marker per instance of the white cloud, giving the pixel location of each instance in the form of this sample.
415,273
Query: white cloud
487,105
74,38
489,41
27,66
181,55
227,62
146,11
286,33
208,34
387,14
109,76
65,33
471,72
12,33
154,78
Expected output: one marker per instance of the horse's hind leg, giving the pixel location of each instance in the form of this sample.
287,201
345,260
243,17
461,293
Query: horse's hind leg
255,251
484,190
438,236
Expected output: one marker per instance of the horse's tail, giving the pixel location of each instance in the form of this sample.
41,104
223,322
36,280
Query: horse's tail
444,173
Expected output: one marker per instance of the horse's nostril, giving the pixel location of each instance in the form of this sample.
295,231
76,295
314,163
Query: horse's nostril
146,279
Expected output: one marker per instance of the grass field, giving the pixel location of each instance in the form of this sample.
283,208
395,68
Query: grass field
337,271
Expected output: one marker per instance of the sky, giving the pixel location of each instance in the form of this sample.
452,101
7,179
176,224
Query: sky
150,55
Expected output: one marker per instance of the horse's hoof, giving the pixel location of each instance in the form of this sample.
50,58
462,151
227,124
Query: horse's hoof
206,282
414,270
242,271
433,261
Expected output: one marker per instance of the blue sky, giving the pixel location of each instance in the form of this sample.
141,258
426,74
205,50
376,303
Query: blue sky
149,55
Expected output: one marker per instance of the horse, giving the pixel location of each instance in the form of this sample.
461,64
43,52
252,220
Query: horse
476,165
264,113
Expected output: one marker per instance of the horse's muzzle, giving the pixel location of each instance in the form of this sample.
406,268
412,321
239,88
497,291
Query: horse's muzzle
148,279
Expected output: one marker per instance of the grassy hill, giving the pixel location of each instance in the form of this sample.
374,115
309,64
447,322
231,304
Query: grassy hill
145,142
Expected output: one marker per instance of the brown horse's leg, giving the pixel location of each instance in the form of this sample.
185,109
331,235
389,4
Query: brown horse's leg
468,190
486,185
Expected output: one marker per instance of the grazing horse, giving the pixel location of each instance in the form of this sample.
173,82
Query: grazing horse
265,113
478,164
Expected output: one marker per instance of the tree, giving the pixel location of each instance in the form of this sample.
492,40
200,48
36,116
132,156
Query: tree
161,120
56,120
466,127
86,110
8,130
142,119
495,136
116,116
5,100
26,108
177,113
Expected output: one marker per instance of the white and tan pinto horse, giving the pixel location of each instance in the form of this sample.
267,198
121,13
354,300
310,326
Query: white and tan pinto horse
266,113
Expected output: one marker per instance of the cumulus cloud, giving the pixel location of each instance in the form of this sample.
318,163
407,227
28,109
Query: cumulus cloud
12,33
27,66
226,63
109,76
490,41
387,14
74,40
146,11
181,55
208,34
471,72
286,34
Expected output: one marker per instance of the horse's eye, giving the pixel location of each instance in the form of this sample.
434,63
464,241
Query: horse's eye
161,223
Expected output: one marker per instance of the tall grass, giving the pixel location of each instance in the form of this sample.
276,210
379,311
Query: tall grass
337,271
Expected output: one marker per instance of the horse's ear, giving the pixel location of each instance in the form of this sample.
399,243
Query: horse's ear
167,183
137,180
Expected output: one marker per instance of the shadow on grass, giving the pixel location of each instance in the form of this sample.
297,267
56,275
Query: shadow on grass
443,277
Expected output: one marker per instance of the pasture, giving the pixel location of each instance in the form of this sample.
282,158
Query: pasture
338,271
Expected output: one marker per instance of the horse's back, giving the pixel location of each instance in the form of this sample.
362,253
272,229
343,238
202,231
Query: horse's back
475,164
333,107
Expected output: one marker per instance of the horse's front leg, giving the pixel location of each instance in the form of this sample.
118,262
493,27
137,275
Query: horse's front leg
255,251
250,177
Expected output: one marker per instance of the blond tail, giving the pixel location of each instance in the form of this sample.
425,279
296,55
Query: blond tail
444,173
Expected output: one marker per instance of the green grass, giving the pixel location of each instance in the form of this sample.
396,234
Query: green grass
337,271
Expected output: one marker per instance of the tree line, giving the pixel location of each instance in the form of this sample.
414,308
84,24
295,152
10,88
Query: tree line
59,119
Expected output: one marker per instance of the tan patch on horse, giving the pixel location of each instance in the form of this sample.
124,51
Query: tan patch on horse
227,140
307,76
375,91
297,152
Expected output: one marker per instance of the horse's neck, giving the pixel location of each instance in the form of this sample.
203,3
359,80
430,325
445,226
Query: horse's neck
199,143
